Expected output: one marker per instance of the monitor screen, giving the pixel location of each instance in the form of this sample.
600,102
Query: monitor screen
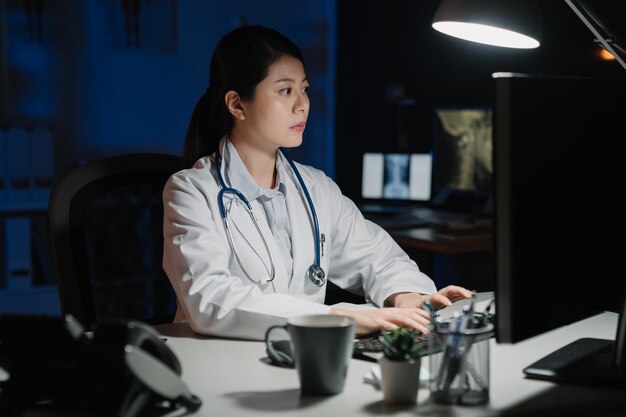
560,216
462,148
396,176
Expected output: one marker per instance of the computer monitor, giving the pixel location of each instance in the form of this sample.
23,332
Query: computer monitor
396,177
560,217
462,153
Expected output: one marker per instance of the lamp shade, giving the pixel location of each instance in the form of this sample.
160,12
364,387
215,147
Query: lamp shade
506,23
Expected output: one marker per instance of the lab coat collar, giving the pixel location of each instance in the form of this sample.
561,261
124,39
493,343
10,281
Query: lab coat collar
237,176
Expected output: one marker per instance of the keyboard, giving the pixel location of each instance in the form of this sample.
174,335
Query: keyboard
368,343
369,347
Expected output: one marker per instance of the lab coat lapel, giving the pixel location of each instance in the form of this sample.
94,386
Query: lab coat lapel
302,238
251,249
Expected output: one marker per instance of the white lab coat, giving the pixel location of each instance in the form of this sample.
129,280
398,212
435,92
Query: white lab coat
217,298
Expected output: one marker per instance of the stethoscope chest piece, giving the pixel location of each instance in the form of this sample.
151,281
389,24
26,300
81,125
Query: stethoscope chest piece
317,275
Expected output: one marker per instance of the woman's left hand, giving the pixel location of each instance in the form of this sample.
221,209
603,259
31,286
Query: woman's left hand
442,298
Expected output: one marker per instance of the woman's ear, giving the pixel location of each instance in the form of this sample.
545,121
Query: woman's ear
233,103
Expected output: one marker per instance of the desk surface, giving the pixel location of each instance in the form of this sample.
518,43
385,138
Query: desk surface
445,240
451,237
234,378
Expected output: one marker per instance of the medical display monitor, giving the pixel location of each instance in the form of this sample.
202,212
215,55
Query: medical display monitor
462,146
396,176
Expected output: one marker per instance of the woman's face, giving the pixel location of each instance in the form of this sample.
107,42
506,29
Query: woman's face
277,114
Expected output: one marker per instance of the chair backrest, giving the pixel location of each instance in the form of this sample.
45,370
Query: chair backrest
106,222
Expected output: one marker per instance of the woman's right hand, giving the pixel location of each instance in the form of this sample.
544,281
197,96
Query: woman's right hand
385,319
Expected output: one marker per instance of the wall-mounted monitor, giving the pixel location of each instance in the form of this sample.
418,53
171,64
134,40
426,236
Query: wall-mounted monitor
396,176
462,154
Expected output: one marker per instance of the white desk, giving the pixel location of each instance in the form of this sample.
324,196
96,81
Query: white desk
233,378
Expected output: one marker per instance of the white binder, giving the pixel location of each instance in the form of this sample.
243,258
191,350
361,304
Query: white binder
3,170
18,165
42,165
18,253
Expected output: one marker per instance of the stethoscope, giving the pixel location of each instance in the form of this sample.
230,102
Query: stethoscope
315,272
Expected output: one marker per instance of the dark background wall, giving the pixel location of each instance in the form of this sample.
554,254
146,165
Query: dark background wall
73,65
107,78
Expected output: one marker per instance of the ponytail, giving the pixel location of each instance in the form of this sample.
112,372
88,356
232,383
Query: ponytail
210,121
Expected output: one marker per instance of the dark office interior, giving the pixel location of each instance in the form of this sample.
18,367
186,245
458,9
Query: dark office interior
106,79
89,87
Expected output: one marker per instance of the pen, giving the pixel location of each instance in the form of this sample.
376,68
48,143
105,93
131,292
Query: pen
486,315
434,314
469,311
491,303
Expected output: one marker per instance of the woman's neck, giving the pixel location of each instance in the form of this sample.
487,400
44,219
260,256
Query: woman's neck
261,163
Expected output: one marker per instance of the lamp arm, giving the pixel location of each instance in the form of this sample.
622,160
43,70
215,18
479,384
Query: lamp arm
619,48
595,25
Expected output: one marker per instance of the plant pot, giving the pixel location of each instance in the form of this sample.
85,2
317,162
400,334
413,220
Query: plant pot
400,380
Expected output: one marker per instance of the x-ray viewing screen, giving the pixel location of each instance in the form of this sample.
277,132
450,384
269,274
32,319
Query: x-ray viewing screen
397,176
462,148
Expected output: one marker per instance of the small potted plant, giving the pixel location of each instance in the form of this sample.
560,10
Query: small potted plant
400,365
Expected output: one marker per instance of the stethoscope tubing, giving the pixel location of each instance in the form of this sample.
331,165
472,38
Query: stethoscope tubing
248,207
238,194
316,227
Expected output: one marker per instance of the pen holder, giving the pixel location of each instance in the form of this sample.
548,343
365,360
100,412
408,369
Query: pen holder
459,364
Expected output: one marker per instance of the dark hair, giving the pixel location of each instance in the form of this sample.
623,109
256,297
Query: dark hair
240,62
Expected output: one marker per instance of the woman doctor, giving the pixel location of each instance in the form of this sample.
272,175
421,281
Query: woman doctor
252,238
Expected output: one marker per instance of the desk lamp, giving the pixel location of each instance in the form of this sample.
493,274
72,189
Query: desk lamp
513,23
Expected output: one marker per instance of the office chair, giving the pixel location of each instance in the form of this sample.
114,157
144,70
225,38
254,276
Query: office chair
106,222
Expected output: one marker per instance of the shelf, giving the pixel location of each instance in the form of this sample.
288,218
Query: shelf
22,208
34,300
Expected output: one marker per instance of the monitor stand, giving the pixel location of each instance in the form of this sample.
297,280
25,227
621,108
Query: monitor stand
587,361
